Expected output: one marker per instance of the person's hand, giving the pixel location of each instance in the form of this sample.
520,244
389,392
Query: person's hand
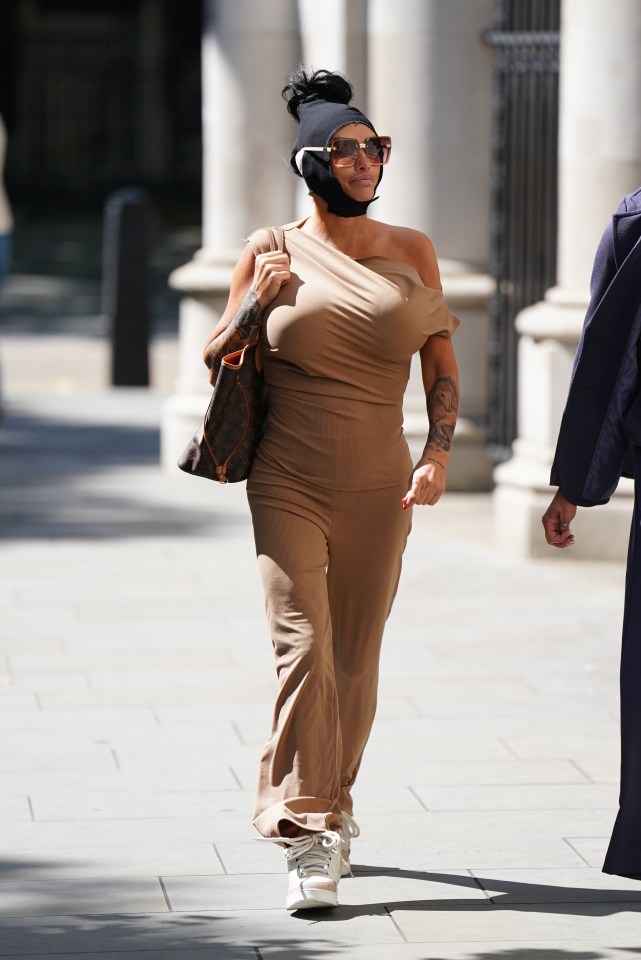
427,485
270,273
557,519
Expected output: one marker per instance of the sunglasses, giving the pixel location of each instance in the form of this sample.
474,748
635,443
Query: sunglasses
344,150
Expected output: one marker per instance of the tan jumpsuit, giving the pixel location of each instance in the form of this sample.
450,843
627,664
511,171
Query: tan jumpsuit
324,493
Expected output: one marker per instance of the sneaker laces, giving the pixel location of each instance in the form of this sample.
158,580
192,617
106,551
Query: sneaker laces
349,829
311,850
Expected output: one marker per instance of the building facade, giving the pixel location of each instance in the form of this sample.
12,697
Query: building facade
433,74
516,131
97,95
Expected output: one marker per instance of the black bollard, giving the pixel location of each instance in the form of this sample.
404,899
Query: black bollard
125,285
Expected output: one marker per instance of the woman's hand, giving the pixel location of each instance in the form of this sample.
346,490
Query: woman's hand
255,283
427,485
557,519
270,273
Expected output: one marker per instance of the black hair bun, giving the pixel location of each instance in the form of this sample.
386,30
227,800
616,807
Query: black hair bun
318,85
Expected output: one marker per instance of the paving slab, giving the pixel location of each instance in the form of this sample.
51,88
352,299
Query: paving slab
600,769
238,892
487,773
50,682
175,832
562,746
583,719
95,723
43,898
372,779
507,887
485,826
127,804
135,859
15,810
16,703
215,656
592,850
114,696
55,756
74,783
34,640
512,849
471,950
586,796
216,930
419,922
223,951
154,757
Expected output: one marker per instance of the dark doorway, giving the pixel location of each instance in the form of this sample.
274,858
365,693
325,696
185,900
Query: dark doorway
99,94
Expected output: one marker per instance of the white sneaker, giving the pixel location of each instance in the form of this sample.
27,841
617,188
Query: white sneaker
314,865
348,831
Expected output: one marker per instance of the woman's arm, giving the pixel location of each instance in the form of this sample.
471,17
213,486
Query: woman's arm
255,282
440,379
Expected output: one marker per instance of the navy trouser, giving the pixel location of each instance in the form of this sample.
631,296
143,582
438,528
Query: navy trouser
624,853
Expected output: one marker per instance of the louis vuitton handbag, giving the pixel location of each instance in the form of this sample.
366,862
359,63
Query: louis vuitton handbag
223,448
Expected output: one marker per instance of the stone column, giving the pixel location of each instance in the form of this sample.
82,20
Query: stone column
599,162
333,37
430,88
248,48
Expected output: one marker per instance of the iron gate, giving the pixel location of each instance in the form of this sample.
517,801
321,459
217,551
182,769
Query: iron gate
525,41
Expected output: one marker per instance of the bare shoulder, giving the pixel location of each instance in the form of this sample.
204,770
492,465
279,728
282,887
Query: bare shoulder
415,248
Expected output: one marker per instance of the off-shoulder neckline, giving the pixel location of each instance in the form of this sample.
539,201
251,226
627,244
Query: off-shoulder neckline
297,225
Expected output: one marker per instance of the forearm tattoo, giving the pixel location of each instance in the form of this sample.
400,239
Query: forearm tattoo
442,408
244,328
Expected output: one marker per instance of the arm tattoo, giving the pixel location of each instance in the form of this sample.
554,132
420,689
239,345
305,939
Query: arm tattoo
244,328
442,407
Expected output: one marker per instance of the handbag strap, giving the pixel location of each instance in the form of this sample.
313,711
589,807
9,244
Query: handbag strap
276,239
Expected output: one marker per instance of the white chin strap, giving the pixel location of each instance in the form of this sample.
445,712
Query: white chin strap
298,160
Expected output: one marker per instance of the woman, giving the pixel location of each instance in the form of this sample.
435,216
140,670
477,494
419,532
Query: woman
341,310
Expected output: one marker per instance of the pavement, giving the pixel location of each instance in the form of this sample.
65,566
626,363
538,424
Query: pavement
136,691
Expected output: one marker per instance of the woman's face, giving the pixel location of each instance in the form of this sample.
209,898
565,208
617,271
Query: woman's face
359,181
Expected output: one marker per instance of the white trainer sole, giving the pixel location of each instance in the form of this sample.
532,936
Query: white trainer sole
311,899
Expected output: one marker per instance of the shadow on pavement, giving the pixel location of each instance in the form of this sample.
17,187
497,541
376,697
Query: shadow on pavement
78,469
516,896
226,935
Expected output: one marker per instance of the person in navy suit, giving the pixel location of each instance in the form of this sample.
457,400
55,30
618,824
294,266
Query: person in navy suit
600,441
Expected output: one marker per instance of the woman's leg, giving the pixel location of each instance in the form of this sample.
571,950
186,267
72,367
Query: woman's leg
298,778
366,543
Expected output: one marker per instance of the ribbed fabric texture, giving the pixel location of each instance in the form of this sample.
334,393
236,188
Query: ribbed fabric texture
330,563
338,341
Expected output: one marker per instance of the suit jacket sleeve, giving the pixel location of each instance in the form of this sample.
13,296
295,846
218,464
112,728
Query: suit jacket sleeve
592,449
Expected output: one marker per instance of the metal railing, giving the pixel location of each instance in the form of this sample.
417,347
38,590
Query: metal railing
524,188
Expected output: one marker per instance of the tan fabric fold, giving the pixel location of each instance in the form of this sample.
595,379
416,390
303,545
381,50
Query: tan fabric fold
338,342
